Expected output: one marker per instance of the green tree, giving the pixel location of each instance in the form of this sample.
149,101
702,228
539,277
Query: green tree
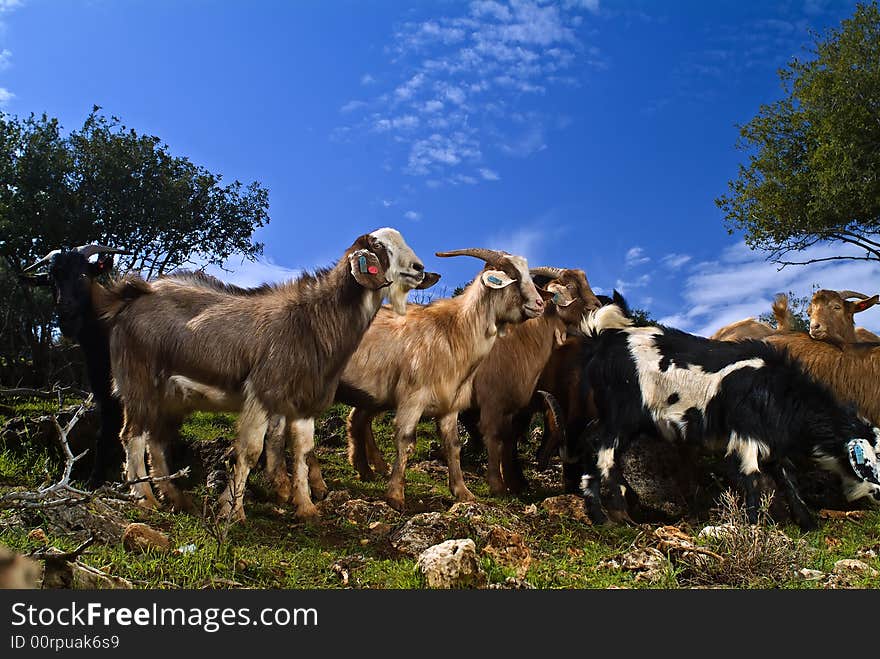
105,183
813,172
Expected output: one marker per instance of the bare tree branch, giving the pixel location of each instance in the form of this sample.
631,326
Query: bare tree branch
63,493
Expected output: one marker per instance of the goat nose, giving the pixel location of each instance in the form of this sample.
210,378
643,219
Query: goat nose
418,267
539,303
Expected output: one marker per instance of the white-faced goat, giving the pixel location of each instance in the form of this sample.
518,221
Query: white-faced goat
281,351
424,363
750,401
69,273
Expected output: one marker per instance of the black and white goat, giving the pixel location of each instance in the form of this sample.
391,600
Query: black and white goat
750,401
69,273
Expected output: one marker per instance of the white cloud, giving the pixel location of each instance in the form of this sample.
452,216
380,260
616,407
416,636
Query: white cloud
489,175
367,79
413,215
742,284
527,143
525,241
5,56
635,256
406,122
5,96
675,261
387,203
462,72
252,273
351,106
438,150
9,5
640,282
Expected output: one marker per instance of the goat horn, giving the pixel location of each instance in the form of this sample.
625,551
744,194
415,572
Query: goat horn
42,261
490,256
546,271
848,294
89,250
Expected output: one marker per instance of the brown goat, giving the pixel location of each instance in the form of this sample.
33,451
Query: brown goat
423,364
750,328
851,370
831,316
281,350
505,381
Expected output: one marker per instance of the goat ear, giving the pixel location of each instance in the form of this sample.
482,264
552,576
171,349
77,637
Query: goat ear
496,279
104,263
865,304
41,279
430,279
561,295
366,269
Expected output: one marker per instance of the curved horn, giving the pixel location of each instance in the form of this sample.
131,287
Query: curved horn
546,271
490,256
93,248
848,294
42,261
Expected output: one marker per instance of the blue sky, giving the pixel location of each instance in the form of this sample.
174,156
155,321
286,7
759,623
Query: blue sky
579,133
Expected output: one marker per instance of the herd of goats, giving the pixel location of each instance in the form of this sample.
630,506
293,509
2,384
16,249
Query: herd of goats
518,340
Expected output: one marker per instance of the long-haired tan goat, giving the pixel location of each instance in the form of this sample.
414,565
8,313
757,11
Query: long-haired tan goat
423,363
281,350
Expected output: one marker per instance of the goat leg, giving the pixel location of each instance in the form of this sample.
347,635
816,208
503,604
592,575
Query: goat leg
302,436
405,440
158,443
452,443
316,480
359,427
276,462
134,440
252,424
491,438
799,510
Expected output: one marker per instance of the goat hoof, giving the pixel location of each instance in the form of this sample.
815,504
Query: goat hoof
320,493
395,502
465,495
308,513
282,493
621,517
149,503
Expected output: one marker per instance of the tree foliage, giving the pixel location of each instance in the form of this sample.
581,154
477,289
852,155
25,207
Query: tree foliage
813,172
105,183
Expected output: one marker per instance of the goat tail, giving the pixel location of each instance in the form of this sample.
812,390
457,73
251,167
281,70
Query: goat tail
554,430
782,314
108,301
609,317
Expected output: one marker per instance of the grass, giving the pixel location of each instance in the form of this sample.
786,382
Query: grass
273,550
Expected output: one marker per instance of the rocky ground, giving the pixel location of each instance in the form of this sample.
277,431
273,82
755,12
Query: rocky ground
539,540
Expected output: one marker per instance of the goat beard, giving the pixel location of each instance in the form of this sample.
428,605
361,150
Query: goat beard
397,294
